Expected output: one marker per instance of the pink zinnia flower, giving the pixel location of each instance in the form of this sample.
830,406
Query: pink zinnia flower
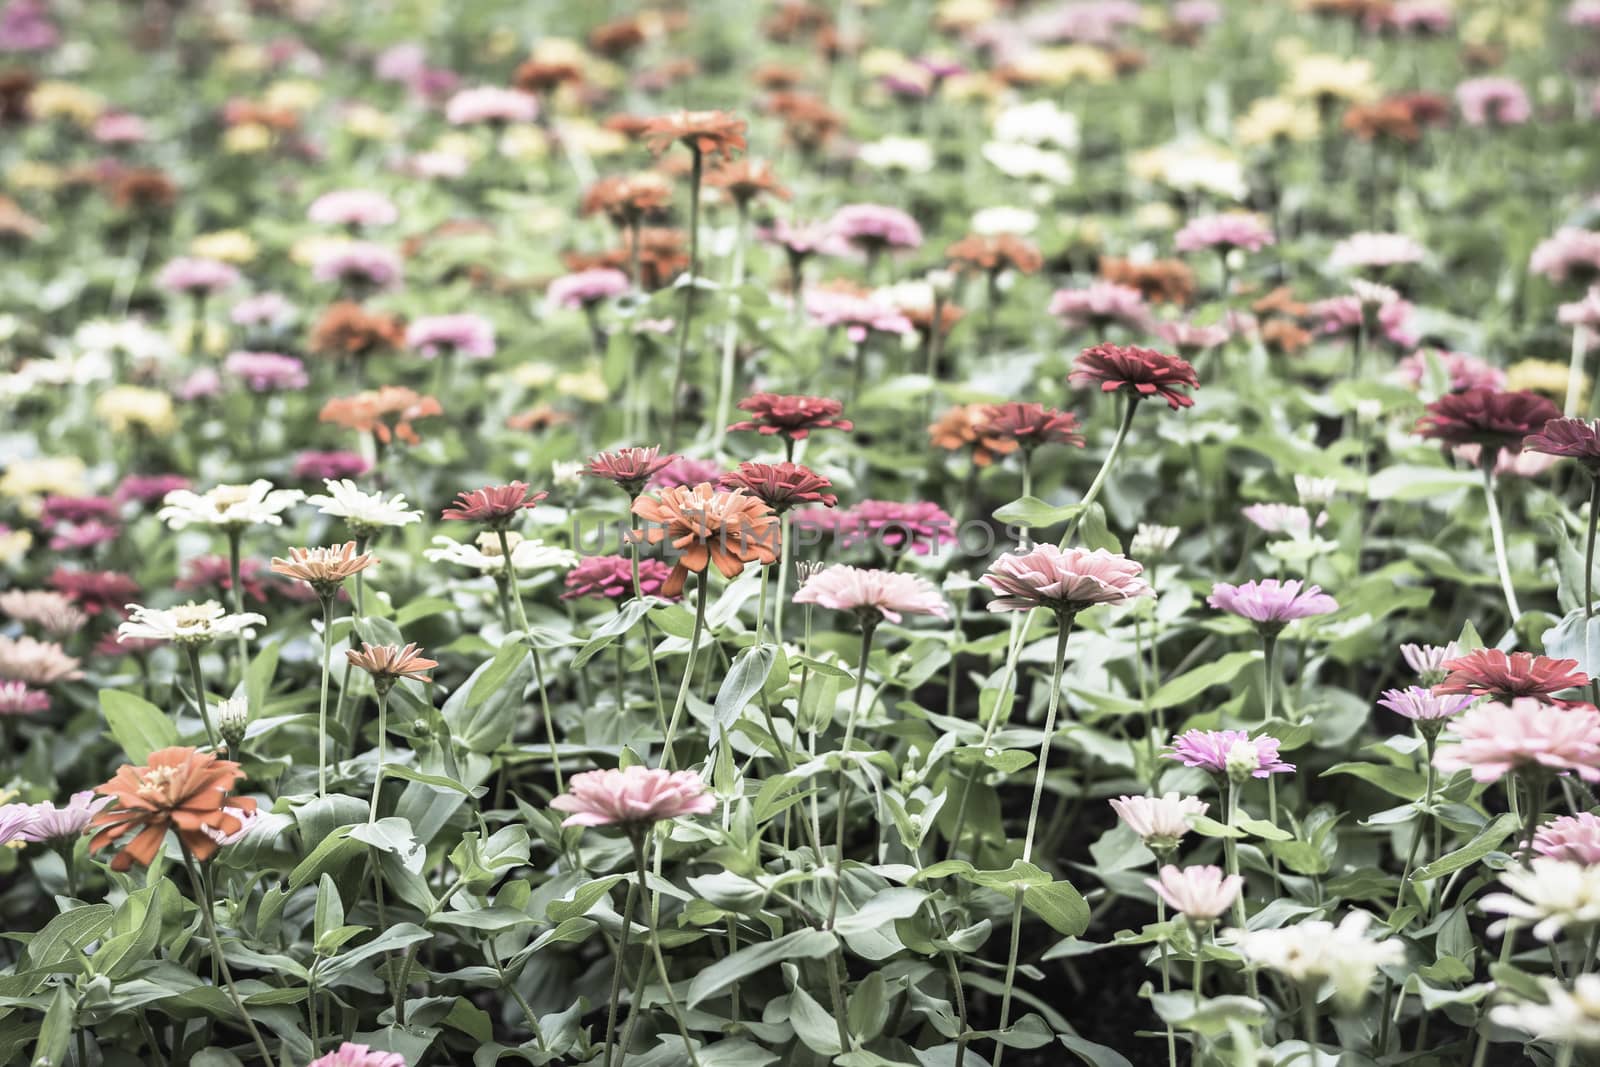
1271,604
59,509
353,207
1139,372
50,823
493,505
1375,251
856,314
921,526
149,488
1495,739
1064,580
681,471
781,485
632,797
1466,371
1100,305
792,416
585,288
78,537
1573,838
464,334
874,228
1491,672
630,468
611,578
263,310
328,466
120,128
267,372
1291,519
1221,233
1190,339
802,240
1159,821
15,820
872,594
349,1054
1493,101
193,276
19,698
1568,438
1428,661
358,262
1585,312
1199,894
1423,705
491,104
1570,254
1213,750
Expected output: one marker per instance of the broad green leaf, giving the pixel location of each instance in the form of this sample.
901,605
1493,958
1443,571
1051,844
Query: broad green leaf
1475,850
1191,684
138,725
807,944
1060,905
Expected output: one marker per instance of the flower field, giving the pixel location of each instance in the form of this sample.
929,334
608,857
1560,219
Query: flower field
882,534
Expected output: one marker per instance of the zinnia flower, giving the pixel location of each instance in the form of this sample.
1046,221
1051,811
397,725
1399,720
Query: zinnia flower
1550,894
389,663
324,569
365,513
1160,821
632,797
1428,661
781,486
493,505
872,594
1099,306
611,578
1491,418
1271,604
181,789
349,1054
18,698
704,132
1573,838
630,468
50,823
1199,894
1423,705
707,526
468,335
1491,672
1495,739
1218,751
1566,1017
1064,580
187,624
1029,425
1140,372
37,663
229,506
1221,233
1569,438
792,416
1316,950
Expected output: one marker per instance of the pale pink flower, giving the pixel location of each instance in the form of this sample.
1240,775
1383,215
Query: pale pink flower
1573,838
801,240
267,372
1428,661
1495,739
1291,519
359,262
194,276
263,311
38,663
1375,251
585,288
120,128
1191,338
1465,371
1064,580
1585,312
1214,750
1570,253
875,227
19,698
353,207
15,821
1271,604
872,594
1159,821
50,823
1099,305
1199,894
856,315
349,1054
465,334
492,104
1493,101
631,796
1424,705
1220,233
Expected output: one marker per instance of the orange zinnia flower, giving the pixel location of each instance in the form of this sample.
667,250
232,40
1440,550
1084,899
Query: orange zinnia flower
182,789
386,413
386,663
729,529
991,255
705,132
747,179
324,569
969,425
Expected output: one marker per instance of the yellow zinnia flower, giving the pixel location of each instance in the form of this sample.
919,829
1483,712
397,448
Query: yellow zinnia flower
26,480
294,94
52,100
246,139
1542,376
124,407
230,246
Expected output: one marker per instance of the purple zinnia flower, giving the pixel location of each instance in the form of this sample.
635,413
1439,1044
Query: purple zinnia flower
1271,604
1213,750
586,288
194,276
267,372
466,334
358,262
50,823
1417,703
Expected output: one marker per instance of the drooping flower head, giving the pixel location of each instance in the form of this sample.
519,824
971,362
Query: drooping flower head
1199,894
632,797
1226,752
1271,604
1161,822
1569,438
781,486
1495,739
1496,420
1139,372
1065,581
1572,838
494,505
181,789
707,526
1491,672
387,664
324,569
872,594
792,416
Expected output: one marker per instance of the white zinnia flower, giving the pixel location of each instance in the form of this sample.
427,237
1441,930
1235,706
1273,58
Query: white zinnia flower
1040,122
994,221
187,624
1317,950
908,154
363,511
1159,821
1567,1018
1314,491
1151,539
485,557
1550,893
1026,161
228,505
568,474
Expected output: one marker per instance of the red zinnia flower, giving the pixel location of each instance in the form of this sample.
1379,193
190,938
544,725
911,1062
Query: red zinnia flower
1031,425
1141,371
493,505
793,416
1491,418
95,591
1490,672
781,485
1577,439
631,468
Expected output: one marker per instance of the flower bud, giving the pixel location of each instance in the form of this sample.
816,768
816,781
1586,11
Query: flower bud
233,717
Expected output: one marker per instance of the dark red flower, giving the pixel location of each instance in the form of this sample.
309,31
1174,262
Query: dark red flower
1490,672
1141,372
95,591
1577,439
493,505
630,468
793,416
1031,425
76,510
1491,418
781,485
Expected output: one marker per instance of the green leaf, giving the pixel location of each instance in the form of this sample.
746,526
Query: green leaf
582,899
1185,687
624,620
745,677
400,936
807,944
138,725
56,1031
437,781
1034,513
1475,850
1415,482
65,936
329,915
1060,905
1396,781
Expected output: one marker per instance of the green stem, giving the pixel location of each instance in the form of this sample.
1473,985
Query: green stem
696,165
202,890
655,950
1131,405
1166,979
650,659
867,630
616,974
1588,569
322,703
1497,532
702,588
200,693
730,336
235,535
1011,974
383,729
1064,630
